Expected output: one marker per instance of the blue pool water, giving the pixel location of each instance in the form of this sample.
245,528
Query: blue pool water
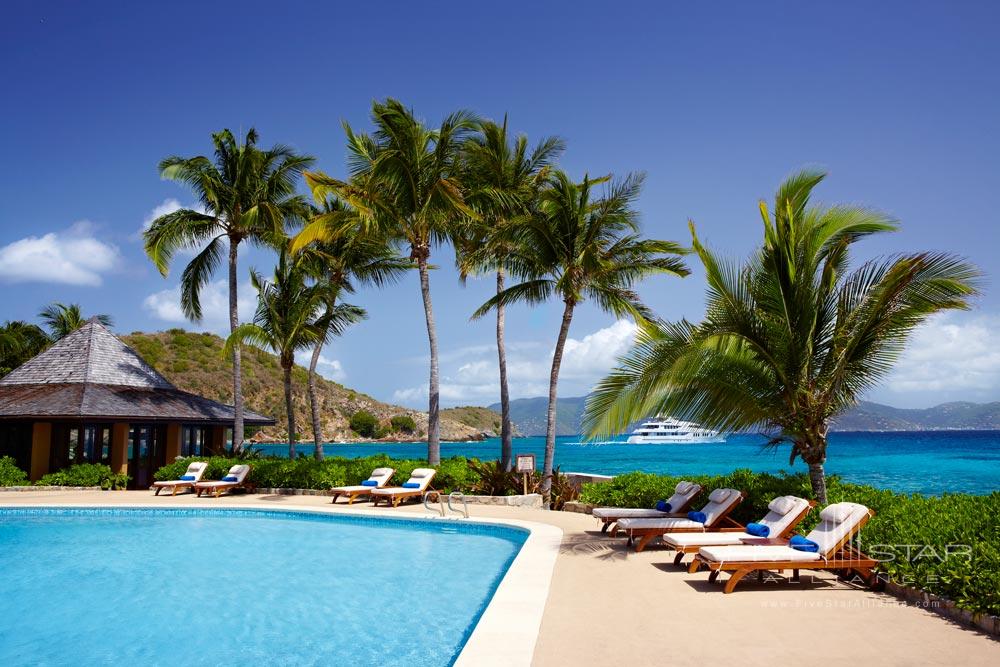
929,462
210,587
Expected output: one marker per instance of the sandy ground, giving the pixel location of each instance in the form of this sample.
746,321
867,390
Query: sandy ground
610,606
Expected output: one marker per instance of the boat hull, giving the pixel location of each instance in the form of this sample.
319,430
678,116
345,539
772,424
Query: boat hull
668,440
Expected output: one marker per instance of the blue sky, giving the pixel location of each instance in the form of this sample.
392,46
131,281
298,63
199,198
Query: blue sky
717,102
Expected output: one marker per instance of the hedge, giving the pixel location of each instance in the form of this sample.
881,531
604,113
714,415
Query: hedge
85,474
453,474
946,545
10,474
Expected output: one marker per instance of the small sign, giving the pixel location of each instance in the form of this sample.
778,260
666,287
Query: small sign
525,463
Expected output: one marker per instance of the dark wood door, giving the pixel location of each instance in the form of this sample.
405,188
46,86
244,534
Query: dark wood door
146,454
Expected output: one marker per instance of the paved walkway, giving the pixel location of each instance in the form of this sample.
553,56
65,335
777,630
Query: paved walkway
610,606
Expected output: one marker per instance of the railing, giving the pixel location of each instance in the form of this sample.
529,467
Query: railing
465,503
432,496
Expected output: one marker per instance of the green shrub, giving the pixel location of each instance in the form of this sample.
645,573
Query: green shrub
364,424
85,474
946,545
10,474
403,424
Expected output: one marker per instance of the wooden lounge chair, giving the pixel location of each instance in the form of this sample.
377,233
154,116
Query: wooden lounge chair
379,478
839,523
190,477
684,494
419,482
234,479
721,503
783,515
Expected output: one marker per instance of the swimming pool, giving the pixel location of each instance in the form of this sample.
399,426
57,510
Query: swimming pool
166,586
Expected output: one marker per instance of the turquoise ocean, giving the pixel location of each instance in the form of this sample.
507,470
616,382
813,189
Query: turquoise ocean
927,462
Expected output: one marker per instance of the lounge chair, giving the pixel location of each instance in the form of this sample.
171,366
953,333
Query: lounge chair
832,539
783,515
191,476
379,478
235,478
419,482
721,503
684,494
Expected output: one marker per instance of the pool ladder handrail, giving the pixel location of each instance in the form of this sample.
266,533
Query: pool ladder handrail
454,495
427,496
465,503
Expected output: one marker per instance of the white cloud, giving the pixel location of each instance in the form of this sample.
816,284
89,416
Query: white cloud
166,305
168,205
329,368
71,257
951,357
470,375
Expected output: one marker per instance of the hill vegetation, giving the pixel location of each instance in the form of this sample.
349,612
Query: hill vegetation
194,362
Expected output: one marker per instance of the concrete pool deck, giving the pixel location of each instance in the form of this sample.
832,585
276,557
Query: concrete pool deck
606,605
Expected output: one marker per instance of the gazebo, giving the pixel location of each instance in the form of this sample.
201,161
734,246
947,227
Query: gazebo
90,398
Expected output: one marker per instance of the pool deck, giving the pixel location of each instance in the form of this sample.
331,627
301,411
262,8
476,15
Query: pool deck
609,606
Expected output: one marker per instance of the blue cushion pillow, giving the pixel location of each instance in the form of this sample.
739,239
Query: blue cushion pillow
700,517
369,482
758,529
663,505
229,478
802,544
411,485
187,478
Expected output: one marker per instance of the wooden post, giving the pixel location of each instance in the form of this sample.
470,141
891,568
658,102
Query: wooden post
173,444
218,442
119,447
41,447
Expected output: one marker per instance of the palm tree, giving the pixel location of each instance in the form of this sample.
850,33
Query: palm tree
19,341
289,318
246,194
584,247
403,184
63,320
502,180
349,258
791,337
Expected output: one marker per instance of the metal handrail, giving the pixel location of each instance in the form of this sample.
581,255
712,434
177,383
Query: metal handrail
465,503
427,495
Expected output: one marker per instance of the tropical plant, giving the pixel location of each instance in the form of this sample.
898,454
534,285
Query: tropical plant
62,319
287,320
245,194
582,247
791,338
403,424
19,342
502,180
349,256
10,473
403,184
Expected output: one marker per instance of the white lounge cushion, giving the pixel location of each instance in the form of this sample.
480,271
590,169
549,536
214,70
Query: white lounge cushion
720,501
421,476
720,495
627,512
778,520
196,470
702,539
352,489
838,521
660,524
756,554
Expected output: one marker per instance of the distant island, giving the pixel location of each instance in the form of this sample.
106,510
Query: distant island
529,415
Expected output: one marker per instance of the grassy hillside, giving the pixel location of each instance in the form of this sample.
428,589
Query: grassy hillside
529,414
194,362
486,420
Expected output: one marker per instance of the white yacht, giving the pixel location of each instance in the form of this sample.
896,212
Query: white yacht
663,430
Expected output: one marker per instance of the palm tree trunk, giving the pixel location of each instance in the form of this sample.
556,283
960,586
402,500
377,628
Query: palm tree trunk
433,407
817,478
506,446
234,321
287,368
313,402
550,426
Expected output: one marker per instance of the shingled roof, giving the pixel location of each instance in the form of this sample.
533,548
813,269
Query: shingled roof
92,374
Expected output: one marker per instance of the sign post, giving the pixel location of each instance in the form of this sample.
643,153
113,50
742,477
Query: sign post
525,464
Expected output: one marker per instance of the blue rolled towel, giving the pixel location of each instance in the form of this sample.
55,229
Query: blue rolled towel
187,478
802,544
758,529
411,485
663,506
700,517
229,478
369,482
